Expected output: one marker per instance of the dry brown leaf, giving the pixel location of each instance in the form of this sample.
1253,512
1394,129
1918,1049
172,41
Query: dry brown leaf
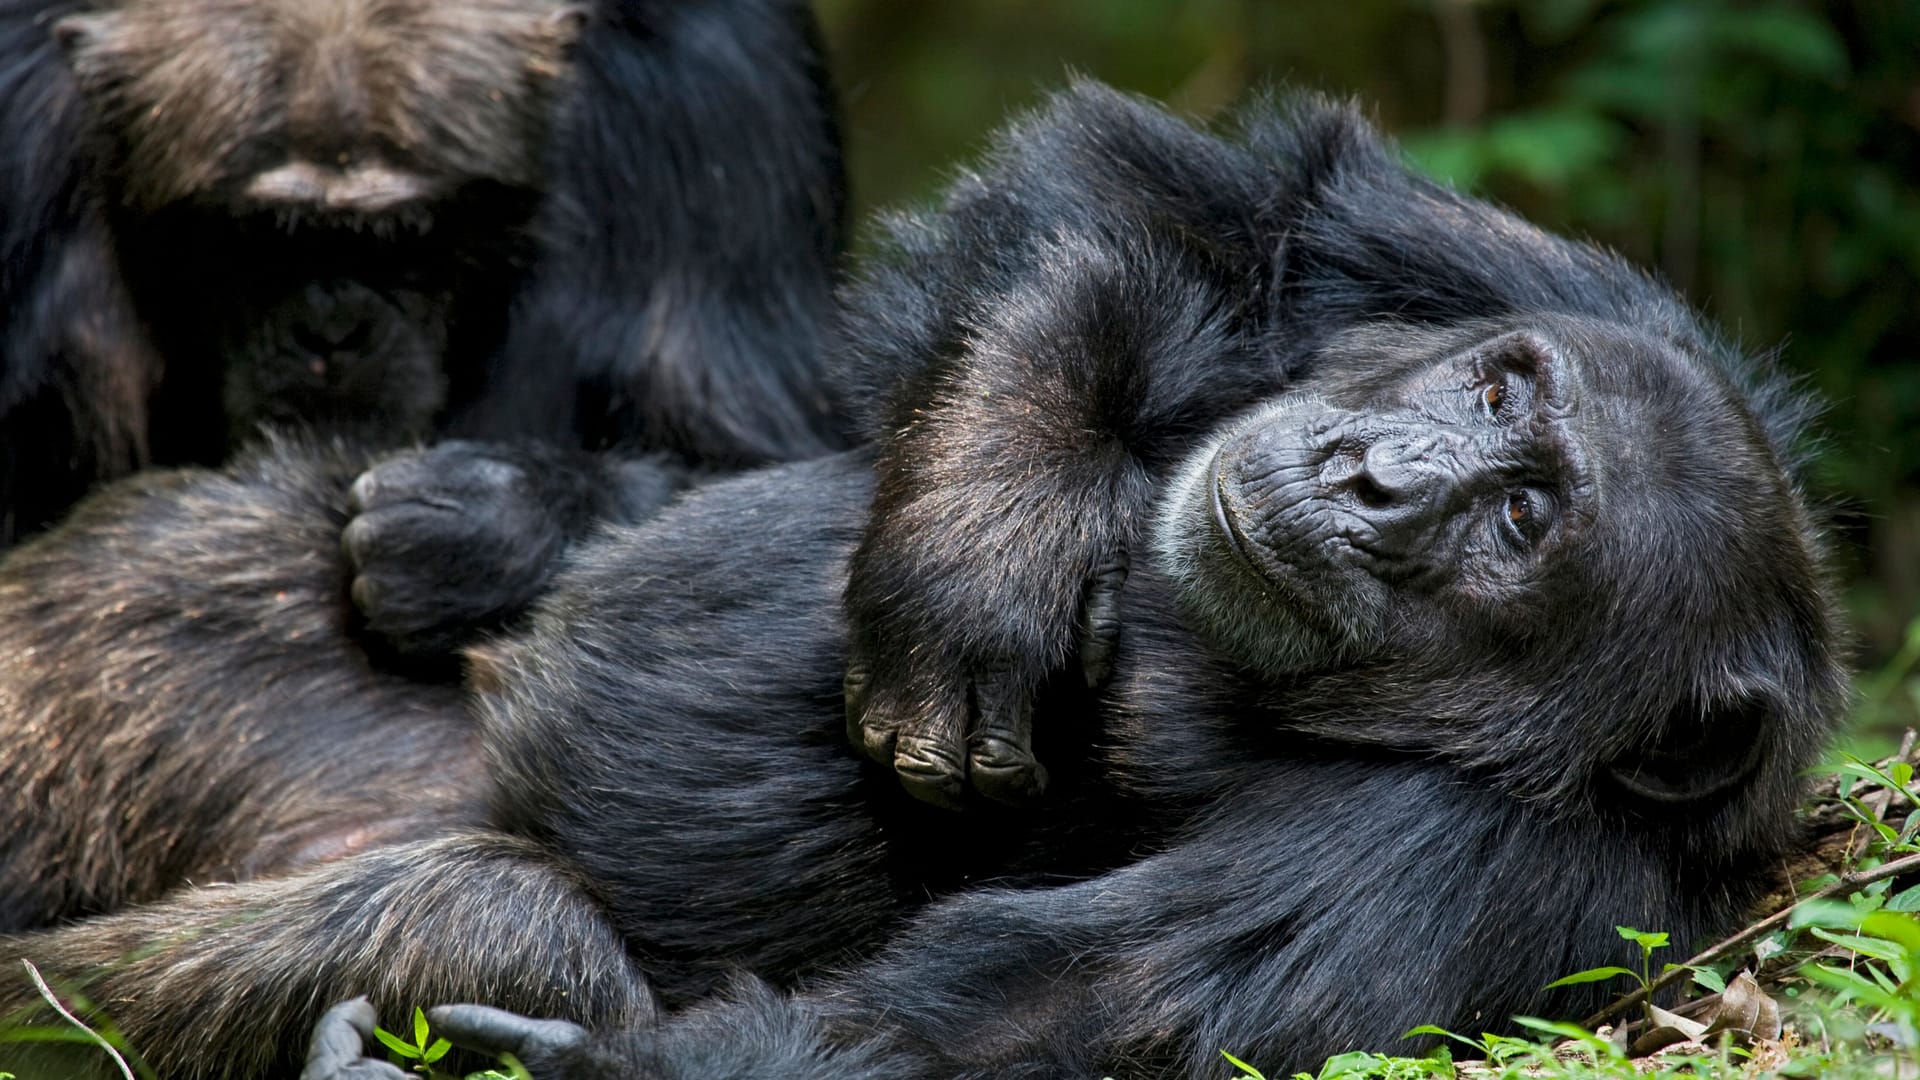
1746,1011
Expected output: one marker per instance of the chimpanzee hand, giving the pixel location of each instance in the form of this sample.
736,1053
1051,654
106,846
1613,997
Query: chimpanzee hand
463,535
338,1050
965,594
545,1047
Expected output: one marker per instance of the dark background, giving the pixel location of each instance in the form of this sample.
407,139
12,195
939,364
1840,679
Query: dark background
1763,157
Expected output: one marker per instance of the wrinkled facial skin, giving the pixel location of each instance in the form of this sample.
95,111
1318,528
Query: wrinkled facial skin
1462,477
1556,515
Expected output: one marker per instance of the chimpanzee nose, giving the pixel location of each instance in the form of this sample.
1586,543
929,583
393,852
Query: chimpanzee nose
1399,472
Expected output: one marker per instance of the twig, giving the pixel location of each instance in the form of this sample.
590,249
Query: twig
46,991
1847,883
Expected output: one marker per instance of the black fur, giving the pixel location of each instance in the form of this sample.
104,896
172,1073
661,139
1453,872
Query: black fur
1283,853
657,281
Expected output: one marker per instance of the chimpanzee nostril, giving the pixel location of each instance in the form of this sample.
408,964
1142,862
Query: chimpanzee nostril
1368,492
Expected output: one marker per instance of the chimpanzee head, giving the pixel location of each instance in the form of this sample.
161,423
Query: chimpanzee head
316,196
1552,520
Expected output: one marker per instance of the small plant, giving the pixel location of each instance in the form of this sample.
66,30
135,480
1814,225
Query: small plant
1648,942
425,1051
420,1051
1363,1066
1881,974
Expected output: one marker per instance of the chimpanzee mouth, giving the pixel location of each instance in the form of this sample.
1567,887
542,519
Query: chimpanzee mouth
1223,523
1228,528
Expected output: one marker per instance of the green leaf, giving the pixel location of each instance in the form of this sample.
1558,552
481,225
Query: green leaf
1569,1031
437,1051
1243,1066
1708,978
1646,939
1429,1029
1831,913
397,1044
1876,948
1902,773
1853,986
1598,974
1894,926
1905,899
1354,1065
419,1027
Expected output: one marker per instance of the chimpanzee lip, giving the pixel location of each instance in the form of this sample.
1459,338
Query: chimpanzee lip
1229,532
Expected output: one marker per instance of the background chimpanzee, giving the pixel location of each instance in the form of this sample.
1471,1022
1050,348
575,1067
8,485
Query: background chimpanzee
597,225
606,222
1450,548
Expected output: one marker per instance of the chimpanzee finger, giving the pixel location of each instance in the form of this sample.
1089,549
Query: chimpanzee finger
855,688
929,748
539,1044
1000,759
338,1049
1100,620
397,477
399,529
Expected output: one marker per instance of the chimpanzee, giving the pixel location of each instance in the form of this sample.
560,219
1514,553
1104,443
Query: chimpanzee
1398,597
588,225
591,222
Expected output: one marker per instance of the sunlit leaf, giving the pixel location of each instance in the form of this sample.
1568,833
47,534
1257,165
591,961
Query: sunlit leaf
1243,1066
1646,939
1598,974
396,1044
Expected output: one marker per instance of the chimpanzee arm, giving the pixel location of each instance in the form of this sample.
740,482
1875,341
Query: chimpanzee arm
460,537
75,366
1222,942
1033,357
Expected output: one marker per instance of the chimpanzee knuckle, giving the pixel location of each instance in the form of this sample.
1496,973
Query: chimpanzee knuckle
855,689
874,730
364,492
365,593
930,767
1000,759
1005,770
929,746
398,531
360,540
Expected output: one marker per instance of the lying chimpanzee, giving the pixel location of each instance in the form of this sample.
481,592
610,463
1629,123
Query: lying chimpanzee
1470,608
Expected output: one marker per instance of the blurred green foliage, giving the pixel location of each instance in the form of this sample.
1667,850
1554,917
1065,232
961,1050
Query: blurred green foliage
1763,156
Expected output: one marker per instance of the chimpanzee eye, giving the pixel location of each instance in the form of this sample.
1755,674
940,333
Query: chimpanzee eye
1491,397
1527,512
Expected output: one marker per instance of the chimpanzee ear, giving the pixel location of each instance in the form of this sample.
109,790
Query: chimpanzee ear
1709,747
